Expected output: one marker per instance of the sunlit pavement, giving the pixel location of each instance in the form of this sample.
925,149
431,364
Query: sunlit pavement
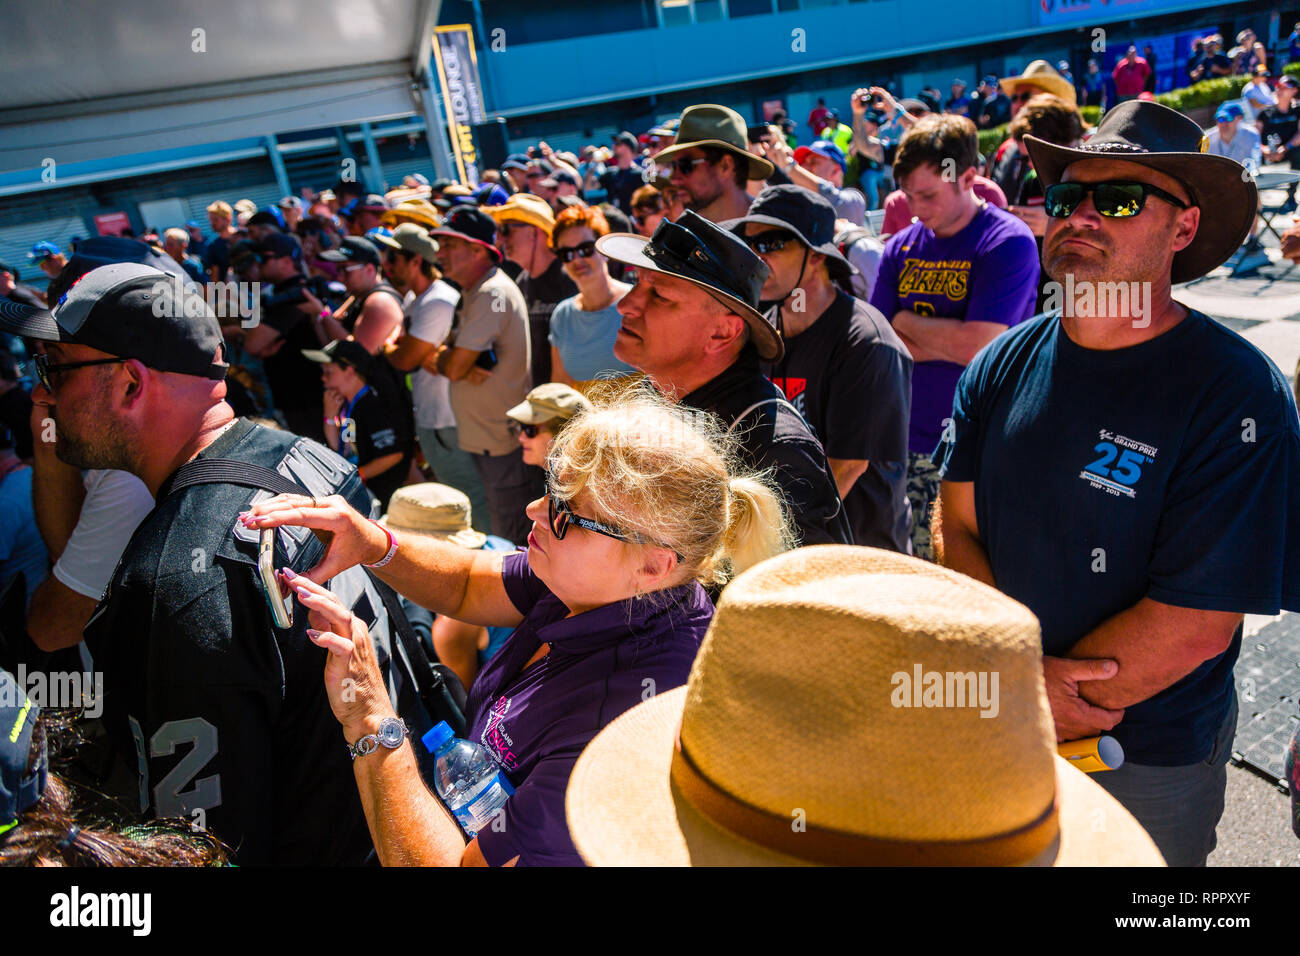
1265,309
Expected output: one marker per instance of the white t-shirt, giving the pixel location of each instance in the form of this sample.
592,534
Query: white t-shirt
429,319
116,502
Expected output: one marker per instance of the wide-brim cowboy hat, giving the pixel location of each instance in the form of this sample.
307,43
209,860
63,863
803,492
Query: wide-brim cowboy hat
636,251
710,125
1041,74
826,750
419,211
1165,140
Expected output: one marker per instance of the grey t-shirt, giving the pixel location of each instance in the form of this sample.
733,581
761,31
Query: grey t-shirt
491,314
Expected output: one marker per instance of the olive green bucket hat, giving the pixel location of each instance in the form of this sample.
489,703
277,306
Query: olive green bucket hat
710,125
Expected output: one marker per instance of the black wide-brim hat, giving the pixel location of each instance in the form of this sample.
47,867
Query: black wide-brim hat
1165,140
722,265
808,215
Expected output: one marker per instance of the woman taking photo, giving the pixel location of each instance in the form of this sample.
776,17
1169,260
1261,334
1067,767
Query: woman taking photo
584,326
643,509
537,420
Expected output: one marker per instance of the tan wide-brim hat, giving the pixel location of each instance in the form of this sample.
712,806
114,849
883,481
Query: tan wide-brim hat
711,125
801,752
1042,75
435,511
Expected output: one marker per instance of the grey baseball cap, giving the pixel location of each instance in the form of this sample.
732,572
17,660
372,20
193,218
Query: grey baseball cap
132,311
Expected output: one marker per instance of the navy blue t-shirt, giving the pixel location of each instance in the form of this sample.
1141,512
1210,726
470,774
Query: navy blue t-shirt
1168,470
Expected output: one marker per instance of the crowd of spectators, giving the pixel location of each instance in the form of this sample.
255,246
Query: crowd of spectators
696,323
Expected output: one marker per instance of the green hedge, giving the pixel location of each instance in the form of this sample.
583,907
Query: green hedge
1206,93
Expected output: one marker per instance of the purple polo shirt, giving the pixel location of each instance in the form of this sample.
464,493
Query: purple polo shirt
536,723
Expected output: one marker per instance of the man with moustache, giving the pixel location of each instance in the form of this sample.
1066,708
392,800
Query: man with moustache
1130,477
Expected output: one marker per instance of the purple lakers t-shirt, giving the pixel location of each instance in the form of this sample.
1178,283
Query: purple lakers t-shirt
988,272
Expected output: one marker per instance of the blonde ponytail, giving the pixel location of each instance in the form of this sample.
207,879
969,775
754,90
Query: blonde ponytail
757,528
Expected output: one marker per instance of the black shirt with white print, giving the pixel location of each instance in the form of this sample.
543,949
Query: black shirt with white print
850,376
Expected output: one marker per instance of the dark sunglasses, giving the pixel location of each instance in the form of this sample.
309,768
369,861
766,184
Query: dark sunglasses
766,242
1115,200
520,428
674,241
44,369
584,250
685,166
1023,97
561,516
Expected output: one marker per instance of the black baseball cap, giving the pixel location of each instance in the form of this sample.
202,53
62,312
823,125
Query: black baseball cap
626,138
278,244
472,223
354,249
343,352
132,311
20,790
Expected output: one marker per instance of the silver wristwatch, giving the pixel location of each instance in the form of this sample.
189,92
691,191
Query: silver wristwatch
392,731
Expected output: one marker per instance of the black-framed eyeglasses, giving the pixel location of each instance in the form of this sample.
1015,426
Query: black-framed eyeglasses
584,250
686,165
1112,199
561,515
765,242
519,428
44,369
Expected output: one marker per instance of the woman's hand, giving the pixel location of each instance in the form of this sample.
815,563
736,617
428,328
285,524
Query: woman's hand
349,538
353,681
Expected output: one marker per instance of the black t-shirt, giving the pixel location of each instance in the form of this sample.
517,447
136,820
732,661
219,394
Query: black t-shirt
543,294
772,435
216,252
850,376
381,429
295,381
620,184
1283,126
996,107
223,717
16,415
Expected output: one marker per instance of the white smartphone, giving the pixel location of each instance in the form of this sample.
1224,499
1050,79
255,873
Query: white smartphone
281,607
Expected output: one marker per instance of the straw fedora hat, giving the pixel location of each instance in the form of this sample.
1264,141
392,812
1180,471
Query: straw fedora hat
526,208
1041,74
419,211
434,510
827,749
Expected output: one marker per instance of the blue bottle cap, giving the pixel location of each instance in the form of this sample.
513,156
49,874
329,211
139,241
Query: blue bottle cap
436,737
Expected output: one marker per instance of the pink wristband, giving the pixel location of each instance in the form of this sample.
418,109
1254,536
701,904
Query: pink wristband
392,545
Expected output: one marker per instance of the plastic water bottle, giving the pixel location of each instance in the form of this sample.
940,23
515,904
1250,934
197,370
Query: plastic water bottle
467,779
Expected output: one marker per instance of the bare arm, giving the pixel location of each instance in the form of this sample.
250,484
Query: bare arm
57,615
261,341
1156,645
456,363
954,533
380,318
57,489
442,577
457,644
919,353
951,339
847,471
378,466
558,372
409,353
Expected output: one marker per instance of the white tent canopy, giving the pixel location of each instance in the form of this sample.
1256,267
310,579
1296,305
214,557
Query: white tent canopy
87,81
